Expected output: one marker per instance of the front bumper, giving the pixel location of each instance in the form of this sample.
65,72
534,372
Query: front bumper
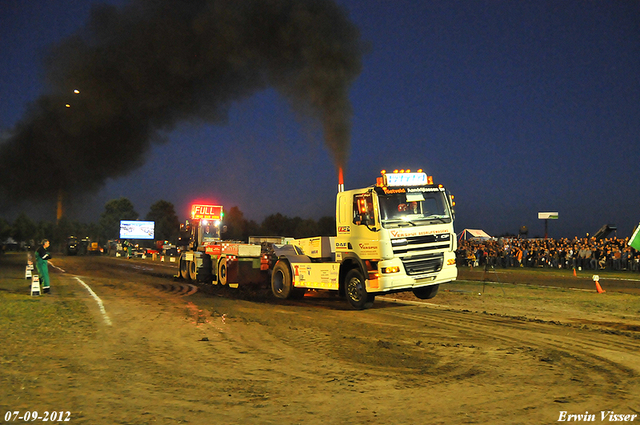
379,282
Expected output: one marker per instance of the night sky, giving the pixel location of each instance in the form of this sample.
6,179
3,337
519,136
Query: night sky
516,106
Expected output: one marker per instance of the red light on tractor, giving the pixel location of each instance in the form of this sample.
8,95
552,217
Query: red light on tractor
429,179
383,172
419,170
395,171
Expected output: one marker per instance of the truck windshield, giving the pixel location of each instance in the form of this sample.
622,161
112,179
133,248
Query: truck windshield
413,209
210,233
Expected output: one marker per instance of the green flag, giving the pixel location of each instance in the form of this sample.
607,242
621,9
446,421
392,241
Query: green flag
634,242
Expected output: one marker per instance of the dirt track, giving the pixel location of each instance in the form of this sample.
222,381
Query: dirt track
170,352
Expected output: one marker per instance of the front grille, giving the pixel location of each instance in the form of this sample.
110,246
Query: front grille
423,239
425,264
405,249
423,254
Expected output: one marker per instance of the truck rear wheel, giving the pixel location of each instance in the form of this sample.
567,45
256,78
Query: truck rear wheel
222,271
356,291
193,275
184,269
281,284
426,292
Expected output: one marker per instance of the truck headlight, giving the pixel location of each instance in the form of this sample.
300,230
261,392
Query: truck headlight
393,269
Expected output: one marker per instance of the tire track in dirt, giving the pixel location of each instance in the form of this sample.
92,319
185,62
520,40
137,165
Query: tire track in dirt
606,365
500,327
180,289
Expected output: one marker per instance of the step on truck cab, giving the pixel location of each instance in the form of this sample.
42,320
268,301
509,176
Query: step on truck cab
394,236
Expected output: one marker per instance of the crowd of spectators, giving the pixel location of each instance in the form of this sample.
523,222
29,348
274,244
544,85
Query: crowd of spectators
579,254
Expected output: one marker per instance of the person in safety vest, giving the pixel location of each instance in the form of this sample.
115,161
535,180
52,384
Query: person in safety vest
42,256
126,247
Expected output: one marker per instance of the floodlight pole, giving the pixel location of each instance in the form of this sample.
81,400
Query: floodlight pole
546,216
546,227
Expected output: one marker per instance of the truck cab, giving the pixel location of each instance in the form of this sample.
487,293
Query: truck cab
394,236
402,228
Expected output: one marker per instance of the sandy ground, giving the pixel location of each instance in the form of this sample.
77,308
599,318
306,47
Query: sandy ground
161,351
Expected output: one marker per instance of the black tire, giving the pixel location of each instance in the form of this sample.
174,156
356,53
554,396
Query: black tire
356,291
222,271
193,273
184,269
426,292
281,284
204,275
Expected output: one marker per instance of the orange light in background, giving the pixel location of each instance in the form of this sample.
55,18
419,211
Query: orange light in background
383,172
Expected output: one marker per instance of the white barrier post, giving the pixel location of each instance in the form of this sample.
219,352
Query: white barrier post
35,285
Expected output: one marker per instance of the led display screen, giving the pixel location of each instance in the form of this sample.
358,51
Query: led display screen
131,229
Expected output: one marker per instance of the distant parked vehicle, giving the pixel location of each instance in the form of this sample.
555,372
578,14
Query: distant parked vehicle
72,245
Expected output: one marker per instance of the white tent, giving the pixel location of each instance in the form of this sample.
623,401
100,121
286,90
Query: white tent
473,234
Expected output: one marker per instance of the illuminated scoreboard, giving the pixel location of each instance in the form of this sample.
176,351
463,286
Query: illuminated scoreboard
208,212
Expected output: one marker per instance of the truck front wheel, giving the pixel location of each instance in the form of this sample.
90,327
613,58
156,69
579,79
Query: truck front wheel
281,284
426,292
356,291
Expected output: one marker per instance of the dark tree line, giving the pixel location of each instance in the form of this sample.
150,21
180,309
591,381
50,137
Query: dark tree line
167,225
239,228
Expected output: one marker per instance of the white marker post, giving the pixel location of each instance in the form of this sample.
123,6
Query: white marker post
35,285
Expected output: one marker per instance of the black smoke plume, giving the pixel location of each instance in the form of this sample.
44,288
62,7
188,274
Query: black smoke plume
142,68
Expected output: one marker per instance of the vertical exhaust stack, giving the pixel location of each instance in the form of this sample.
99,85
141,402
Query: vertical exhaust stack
340,180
